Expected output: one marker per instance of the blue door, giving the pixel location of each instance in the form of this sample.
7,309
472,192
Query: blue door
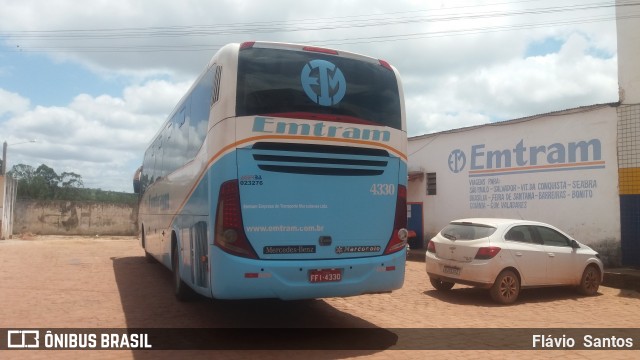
415,222
630,229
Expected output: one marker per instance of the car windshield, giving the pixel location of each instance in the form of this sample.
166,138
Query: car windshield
467,231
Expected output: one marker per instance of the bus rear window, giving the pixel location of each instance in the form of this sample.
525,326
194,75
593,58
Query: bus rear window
276,82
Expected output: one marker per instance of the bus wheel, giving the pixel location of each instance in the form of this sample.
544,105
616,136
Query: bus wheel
148,257
181,290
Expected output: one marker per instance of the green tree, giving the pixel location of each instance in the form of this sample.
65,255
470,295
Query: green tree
71,180
25,175
43,183
48,176
70,185
22,172
40,183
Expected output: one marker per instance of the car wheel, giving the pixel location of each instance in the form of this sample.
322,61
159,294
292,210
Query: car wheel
180,288
441,285
506,288
590,281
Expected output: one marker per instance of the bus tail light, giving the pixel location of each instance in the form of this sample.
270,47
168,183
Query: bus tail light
230,235
400,234
320,50
385,64
247,45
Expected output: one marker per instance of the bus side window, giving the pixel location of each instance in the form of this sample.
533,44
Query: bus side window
177,142
199,115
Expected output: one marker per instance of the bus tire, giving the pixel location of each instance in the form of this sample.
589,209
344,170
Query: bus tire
180,288
147,256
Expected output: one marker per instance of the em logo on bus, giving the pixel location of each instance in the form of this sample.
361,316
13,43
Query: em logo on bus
326,77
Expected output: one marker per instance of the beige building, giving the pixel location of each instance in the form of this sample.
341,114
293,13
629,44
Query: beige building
578,169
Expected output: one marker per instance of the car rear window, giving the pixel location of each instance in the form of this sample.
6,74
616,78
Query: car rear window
467,231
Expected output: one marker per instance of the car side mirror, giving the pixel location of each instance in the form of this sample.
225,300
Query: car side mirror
575,245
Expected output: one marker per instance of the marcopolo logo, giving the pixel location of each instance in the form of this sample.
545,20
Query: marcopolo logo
323,82
578,155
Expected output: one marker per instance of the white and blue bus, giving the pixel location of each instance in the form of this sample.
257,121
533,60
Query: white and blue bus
280,174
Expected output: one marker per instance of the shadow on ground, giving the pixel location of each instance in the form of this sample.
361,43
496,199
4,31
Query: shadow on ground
148,302
481,297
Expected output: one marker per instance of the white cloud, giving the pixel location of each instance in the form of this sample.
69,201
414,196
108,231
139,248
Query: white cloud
464,64
11,103
94,136
514,88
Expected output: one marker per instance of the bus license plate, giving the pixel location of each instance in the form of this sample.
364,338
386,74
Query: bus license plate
451,270
325,275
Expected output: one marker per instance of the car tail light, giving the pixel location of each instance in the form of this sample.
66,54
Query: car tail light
431,247
230,235
486,253
400,234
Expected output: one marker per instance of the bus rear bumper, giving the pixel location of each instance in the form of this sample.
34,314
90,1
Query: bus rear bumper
240,278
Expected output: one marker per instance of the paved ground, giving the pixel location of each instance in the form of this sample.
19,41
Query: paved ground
56,282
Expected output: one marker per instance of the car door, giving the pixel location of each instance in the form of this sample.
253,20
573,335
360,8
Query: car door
560,256
529,255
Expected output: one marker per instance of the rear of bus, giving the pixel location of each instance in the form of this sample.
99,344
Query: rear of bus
318,208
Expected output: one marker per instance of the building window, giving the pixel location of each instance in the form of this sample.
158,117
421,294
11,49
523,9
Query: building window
431,183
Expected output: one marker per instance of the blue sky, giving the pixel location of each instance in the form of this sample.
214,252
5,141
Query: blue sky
92,81
52,83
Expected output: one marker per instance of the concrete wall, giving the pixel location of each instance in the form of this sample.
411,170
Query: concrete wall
628,22
74,218
2,220
558,168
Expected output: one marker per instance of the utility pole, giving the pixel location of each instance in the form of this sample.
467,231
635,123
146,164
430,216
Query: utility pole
3,169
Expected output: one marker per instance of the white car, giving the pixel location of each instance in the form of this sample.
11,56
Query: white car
505,255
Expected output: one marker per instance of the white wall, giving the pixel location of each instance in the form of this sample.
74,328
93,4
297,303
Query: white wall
577,195
628,28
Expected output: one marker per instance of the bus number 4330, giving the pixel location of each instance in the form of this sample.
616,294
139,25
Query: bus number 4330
383,189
